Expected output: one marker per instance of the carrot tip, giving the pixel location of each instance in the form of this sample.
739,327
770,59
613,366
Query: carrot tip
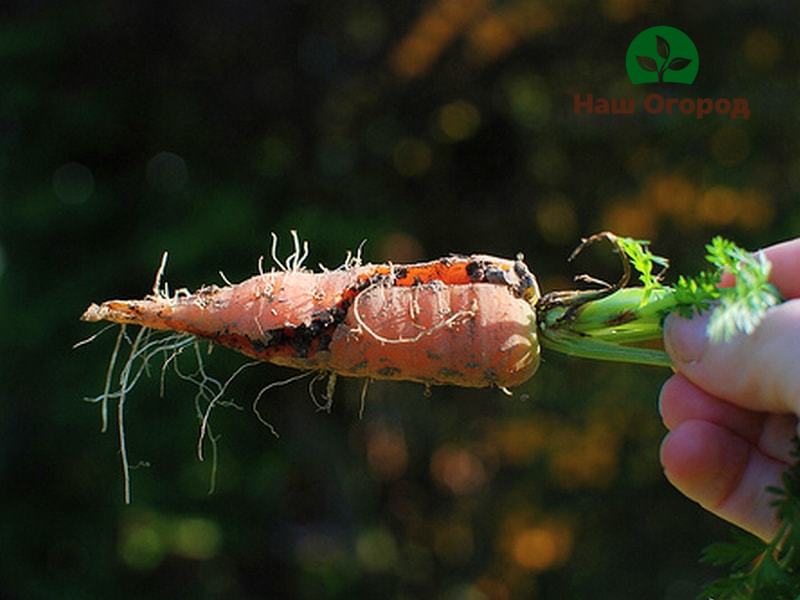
136,312
93,314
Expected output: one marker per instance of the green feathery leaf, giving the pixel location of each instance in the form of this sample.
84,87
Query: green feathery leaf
644,261
738,308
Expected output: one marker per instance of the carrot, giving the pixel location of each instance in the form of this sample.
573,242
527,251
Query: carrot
460,320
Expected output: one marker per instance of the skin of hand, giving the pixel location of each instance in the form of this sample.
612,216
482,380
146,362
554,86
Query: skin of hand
732,408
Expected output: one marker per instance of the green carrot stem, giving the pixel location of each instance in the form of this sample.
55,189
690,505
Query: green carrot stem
601,329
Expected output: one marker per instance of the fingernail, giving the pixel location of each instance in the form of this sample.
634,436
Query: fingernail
686,339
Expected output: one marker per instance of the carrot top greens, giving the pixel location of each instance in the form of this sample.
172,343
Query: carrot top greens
602,324
740,307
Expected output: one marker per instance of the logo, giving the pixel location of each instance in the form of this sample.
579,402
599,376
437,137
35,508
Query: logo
662,55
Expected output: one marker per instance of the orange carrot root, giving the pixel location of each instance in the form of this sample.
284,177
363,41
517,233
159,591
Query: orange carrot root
463,320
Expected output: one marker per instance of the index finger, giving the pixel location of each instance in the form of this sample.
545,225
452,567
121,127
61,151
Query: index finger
785,275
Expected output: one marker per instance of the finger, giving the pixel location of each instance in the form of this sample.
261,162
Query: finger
760,371
723,473
680,400
785,260
785,274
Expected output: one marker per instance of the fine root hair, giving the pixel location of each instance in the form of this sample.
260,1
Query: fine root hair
452,320
147,346
271,386
295,262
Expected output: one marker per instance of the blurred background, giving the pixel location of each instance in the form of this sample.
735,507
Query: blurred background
127,129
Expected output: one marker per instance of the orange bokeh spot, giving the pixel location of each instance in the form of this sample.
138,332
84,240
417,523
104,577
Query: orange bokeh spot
432,32
500,32
756,209
672,195
520,441
542,547
631,219
585,458
387,454
458,470
718,206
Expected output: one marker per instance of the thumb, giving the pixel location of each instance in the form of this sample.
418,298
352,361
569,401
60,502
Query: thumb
760,371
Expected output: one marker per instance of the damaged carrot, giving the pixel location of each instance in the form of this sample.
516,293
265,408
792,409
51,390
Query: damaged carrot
459,320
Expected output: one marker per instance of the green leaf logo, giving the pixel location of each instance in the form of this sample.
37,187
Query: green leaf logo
662,54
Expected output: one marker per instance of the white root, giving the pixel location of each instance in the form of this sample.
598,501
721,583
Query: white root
295,260
329,389
157,293
363,398
123,448
93,337
352,261
451,321
274,252
109,373
211,403
225,279
311,392
270,386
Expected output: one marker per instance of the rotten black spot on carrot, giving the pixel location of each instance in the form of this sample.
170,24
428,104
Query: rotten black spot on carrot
527,287
450,373
360,366
474,271
388,371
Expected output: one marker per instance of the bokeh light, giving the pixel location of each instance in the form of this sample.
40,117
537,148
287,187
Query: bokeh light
762,49
376,550
433,31
458,120
458,469
386,451
621,11
412,157
542,547
73,183
167,173
556,219
196,538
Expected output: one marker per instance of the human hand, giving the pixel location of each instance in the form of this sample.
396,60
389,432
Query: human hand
732,408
